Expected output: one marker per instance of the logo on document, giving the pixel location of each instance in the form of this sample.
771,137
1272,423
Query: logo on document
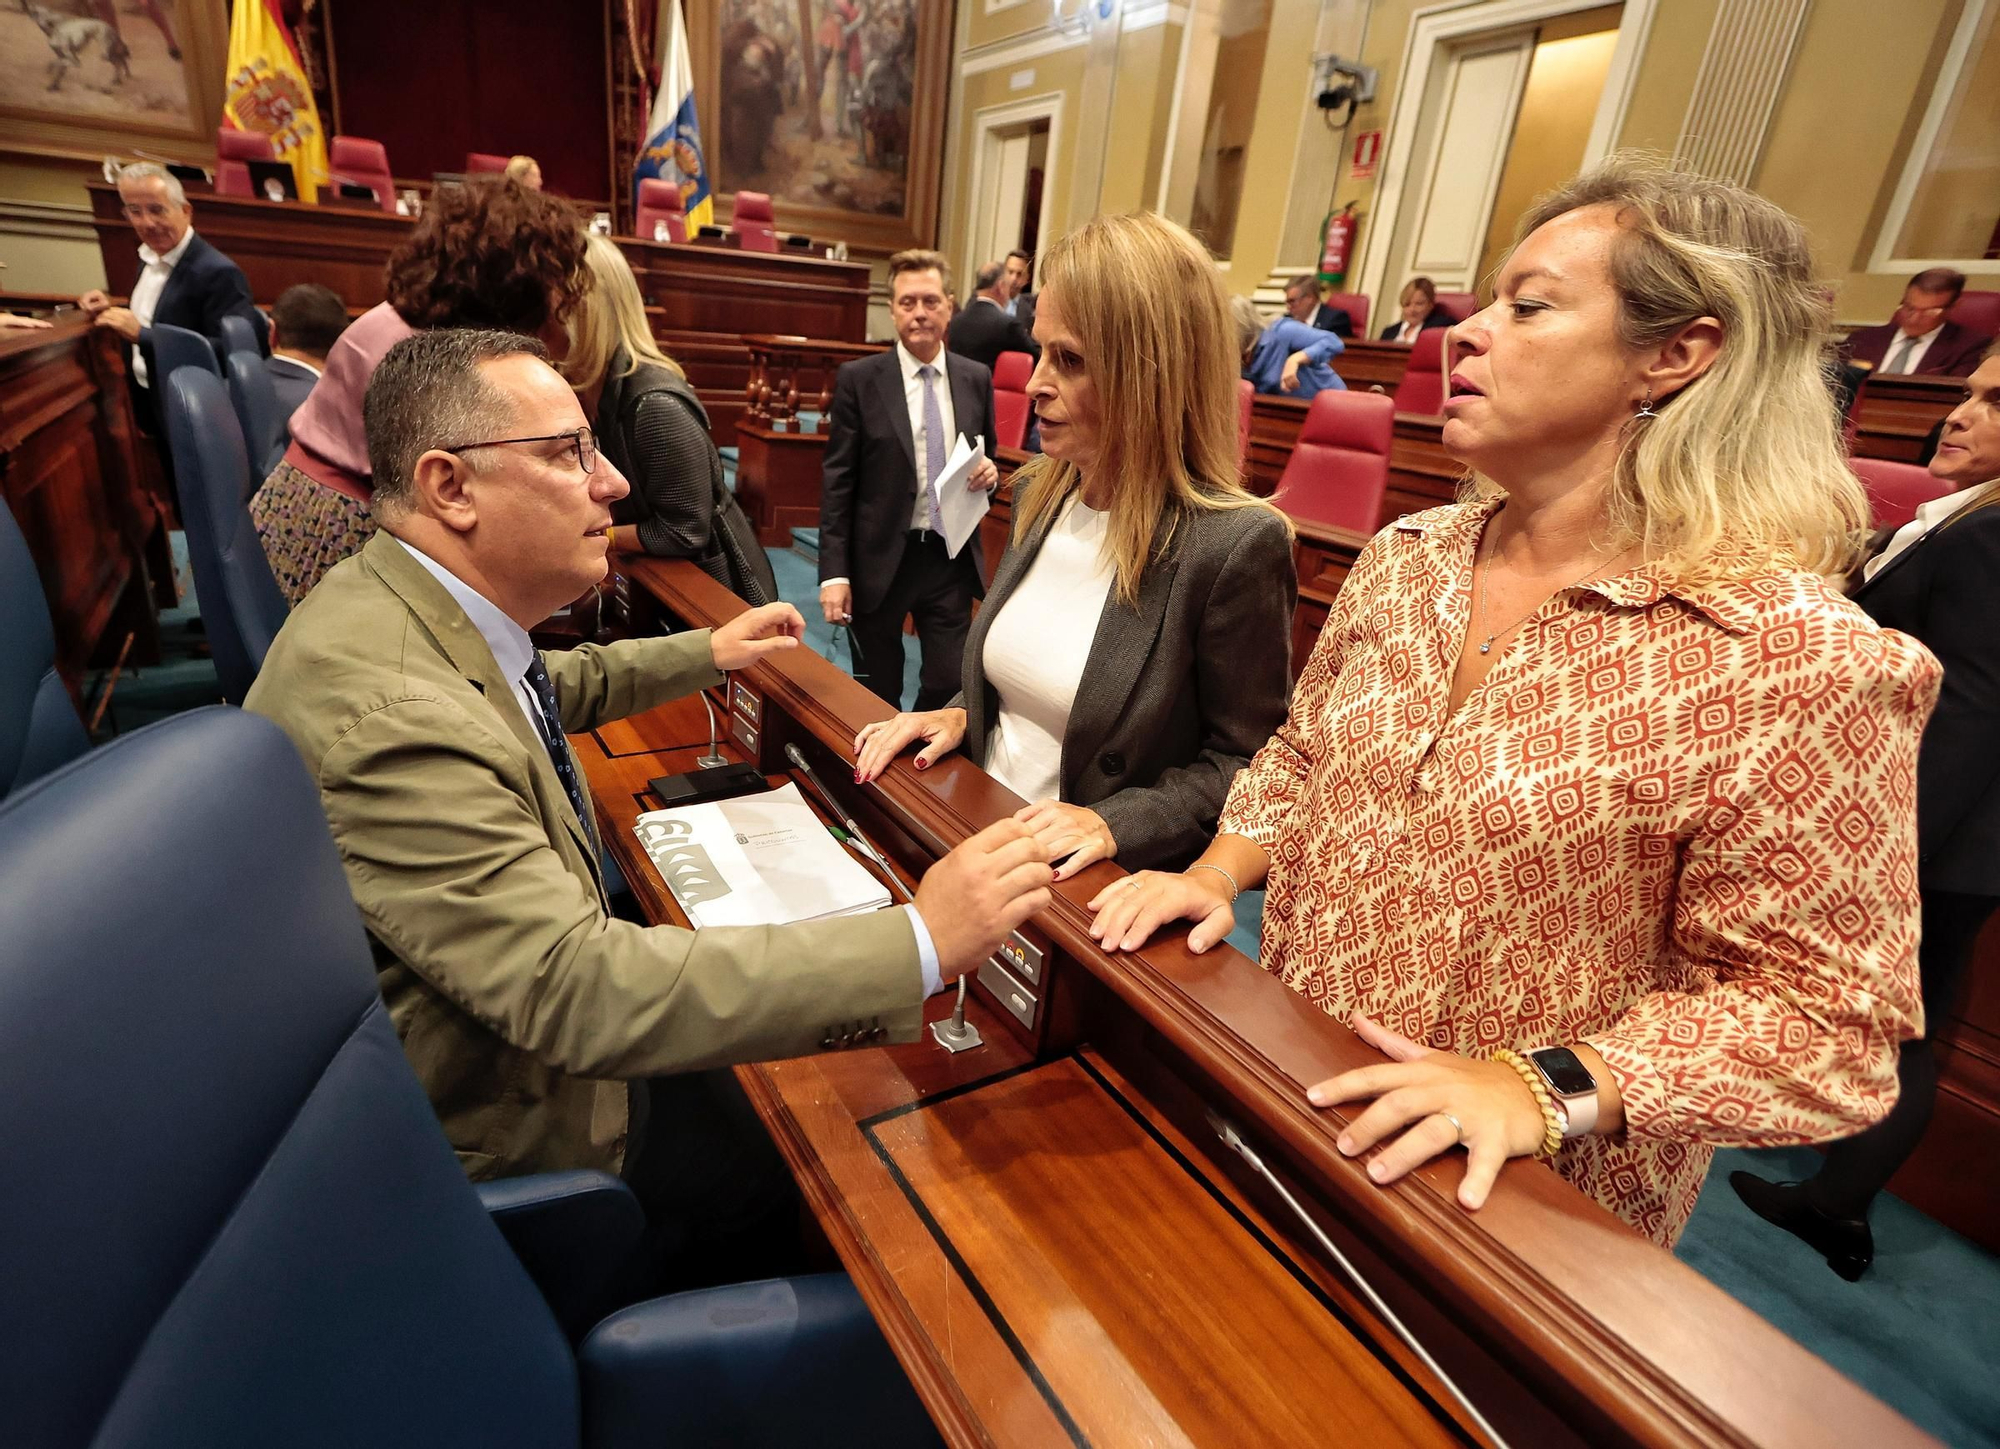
688,871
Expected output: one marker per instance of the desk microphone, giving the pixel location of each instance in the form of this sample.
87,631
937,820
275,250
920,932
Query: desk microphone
713,759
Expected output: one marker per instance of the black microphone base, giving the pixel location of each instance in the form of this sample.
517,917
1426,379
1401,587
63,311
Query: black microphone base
699,785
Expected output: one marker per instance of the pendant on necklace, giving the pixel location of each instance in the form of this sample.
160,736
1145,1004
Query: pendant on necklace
1487,647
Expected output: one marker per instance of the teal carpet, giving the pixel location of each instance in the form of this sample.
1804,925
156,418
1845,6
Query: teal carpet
183,679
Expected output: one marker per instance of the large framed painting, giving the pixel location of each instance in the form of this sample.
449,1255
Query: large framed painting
835,108
90,77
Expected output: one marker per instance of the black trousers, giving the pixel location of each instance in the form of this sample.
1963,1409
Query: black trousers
721,1206
937,590
1859,1167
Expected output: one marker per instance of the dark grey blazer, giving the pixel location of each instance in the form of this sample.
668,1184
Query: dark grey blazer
1178,691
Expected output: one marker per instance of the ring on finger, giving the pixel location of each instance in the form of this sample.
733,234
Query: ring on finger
1457,1127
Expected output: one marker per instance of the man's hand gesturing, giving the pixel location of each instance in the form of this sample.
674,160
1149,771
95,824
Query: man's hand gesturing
972,898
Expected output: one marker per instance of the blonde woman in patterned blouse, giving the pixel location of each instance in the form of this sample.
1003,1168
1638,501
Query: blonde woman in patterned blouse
1599,759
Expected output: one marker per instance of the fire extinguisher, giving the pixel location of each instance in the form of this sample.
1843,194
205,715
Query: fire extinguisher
1337,244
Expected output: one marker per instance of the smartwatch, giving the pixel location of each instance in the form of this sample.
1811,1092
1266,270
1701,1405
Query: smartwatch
1570,1083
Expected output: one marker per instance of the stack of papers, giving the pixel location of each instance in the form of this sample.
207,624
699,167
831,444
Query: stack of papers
961,507
756,860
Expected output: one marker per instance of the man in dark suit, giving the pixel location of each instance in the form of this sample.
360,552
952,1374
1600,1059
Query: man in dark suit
305,323
984,330
1302,304
895,419
1020,301
1918,339
183,282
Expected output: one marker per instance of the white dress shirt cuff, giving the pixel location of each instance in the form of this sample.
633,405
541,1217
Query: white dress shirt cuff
927,955
829,583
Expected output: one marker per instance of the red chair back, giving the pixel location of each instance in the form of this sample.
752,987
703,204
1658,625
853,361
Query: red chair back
660,201
755,226
1979,311
1338,473
1896,490
1246,398
1011,371
481,163
1422,387
360,162
232,149
1461,305
1355,305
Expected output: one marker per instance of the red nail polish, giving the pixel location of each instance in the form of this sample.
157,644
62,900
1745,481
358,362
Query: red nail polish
857,777
923,764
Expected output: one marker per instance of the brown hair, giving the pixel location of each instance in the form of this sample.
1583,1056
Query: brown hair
1940,279
1419,284
1166,385
489,253
309,318
427,392
918,260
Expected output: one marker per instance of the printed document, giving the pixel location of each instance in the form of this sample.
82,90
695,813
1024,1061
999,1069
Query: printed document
756,860
961,507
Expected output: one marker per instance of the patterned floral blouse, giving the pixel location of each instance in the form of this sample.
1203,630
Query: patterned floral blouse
1675,823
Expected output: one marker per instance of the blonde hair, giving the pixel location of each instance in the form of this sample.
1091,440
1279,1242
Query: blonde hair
1249,322
517,167
1743,468
1166,385
610,315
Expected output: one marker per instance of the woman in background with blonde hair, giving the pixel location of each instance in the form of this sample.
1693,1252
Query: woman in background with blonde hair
653,428
1595,812
1134,647
526,170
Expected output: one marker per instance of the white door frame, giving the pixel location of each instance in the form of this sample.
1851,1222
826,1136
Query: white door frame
1433,30
985,121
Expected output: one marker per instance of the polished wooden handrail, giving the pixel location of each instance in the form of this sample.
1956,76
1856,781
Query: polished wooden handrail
1632,1345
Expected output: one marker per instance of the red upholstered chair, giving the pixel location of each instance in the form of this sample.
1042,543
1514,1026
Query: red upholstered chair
1011,371
660,201
1896,490
1246,398
1339,469
360,162
1461,305
1355,305
482,163
232,149
1979,311
1422,387
755,226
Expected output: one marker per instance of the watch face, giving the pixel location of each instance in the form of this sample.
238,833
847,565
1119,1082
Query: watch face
1564,1071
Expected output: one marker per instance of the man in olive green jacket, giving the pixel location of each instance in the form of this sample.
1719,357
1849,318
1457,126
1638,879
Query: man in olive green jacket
524,1005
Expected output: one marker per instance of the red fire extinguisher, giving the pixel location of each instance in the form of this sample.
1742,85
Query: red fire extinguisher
1337,244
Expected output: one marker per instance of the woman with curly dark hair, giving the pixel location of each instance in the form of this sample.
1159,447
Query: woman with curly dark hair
488,253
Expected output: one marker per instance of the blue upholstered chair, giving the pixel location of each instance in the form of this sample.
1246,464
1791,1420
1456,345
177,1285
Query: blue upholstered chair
239,334
232,1218
175,348
38,726
240,598
256,404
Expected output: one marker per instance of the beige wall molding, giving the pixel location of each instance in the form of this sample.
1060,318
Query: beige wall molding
1971,25
1021,49
984,122
1433,30
1750,47
46,219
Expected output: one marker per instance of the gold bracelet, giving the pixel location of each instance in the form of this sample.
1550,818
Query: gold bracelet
1552,1122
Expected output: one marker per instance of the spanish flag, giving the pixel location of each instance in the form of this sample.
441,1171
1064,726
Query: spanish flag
266,90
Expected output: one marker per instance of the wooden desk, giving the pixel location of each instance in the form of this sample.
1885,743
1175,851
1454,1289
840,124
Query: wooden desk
1894,414
1369,366
698,288
1061,1251
70,474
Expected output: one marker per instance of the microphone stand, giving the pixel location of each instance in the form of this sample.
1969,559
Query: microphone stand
955,1034
713,760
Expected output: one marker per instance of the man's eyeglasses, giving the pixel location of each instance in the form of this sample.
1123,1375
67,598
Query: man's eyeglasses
580,440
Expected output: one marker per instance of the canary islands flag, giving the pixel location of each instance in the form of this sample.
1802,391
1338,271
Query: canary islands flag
673,137
266,90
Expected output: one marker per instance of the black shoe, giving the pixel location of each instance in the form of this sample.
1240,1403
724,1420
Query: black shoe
1845,1243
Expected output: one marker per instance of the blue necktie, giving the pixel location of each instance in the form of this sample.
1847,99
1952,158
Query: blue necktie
933,445
558,747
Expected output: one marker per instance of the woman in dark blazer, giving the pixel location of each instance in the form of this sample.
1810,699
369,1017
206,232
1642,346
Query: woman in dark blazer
653,428
1419,310
1938,579
1133,651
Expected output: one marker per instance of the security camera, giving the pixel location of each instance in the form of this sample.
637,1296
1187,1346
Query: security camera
1339,83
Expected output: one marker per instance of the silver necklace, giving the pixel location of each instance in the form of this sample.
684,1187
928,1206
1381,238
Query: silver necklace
1486,644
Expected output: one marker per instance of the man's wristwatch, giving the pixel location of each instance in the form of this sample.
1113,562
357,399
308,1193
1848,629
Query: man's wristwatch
1570,1083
